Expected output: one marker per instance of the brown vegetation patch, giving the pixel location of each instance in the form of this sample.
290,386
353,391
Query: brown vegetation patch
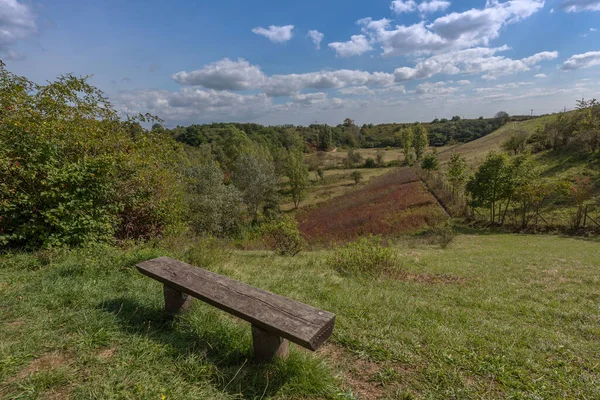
15,325
397,202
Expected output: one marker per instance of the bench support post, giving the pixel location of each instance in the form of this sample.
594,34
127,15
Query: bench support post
175,301
268,346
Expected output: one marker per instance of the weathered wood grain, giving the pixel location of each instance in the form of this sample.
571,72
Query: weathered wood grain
300,323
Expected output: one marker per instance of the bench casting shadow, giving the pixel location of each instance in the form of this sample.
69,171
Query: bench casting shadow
238,373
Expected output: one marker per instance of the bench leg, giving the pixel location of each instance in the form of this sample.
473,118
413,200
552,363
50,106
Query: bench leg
268,346
176,301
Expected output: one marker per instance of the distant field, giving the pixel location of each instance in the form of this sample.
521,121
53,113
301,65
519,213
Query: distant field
478,149
395,203
336,182
335,159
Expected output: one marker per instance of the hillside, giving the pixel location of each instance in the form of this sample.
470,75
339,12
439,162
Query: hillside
476,150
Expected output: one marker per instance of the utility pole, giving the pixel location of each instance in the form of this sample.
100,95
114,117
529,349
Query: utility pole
532,112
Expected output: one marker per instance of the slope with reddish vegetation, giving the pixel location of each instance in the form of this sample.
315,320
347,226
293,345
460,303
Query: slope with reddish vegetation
396,203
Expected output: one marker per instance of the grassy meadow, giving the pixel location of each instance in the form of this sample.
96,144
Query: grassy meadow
491,316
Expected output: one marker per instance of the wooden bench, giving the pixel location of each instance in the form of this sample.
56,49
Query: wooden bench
275,319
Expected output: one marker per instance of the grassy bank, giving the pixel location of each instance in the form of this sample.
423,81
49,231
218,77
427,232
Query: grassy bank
492,316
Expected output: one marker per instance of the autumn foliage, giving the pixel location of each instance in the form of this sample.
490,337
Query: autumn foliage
395,203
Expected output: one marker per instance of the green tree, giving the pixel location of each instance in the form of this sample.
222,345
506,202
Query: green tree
71,172
517,142
297,173
420,140
215,208
457,173
254,176
356,176
430,163
380,158
489,186
406,136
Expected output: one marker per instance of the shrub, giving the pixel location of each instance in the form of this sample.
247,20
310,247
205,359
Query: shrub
366,256
442,235
370,163
282,236
72,172
356,176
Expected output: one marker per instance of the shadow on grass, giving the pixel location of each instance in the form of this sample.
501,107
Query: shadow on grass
220,350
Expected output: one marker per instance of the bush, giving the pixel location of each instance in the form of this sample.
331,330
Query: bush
442,235
367,257
370,163
282,236
73,173
356,176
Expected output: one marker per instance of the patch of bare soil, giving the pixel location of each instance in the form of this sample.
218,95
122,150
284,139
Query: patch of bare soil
45,362
105,354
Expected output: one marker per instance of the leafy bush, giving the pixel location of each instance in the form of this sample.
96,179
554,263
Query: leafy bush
72,172
370,163
282,236
366,256
442,235
356,176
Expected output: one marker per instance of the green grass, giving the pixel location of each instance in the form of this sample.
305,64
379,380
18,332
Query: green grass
492,316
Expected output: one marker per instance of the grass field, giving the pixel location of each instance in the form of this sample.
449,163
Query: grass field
492,316
395,203
336,182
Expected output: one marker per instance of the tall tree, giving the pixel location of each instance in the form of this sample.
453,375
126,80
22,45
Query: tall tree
457,172
488,187
297,173
430,163
255,177
406,136
420,140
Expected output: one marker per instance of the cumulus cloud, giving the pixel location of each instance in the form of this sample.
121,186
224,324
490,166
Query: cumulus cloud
433,6
403,6
316,37
276,34
579,61
435,89
478,60
17,22
309,98
580,5
540,76
464,82
357,45
223,75
242,75
457,30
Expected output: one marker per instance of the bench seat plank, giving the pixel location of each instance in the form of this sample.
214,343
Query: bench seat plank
300,323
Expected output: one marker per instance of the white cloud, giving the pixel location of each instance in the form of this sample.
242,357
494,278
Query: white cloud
580,5
435,89
584,60
357,91
309,98
450,32
593,29
357,45
224,75
316,37
276,34
403,6
464,82
190,105
241,75
433,6
540,76
17,22
478,60
538,57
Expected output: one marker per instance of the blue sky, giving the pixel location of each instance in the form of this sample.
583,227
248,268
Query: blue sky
276,62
